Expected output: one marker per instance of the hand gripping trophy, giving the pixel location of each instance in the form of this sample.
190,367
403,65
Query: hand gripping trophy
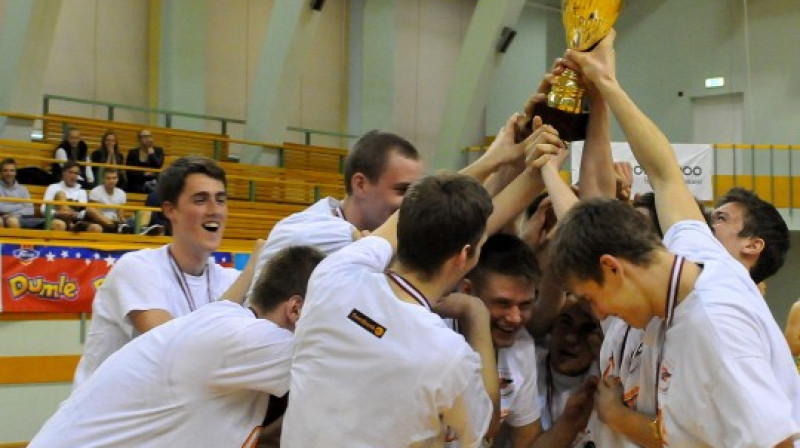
586,22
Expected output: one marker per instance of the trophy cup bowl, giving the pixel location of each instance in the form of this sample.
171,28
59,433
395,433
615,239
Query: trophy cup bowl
586,23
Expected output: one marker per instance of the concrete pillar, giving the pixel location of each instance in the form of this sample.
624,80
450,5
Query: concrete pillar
291,30
475,69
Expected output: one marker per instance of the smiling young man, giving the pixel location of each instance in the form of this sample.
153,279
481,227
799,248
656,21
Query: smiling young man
723,374
151,286
377,172
505,279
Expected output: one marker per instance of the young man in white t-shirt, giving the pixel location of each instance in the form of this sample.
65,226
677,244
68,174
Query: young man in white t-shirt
373,365
112,219
199,380
66,217
505,279
149,287
377,172
724,375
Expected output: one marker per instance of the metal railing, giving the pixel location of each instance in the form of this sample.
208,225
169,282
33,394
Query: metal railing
170,114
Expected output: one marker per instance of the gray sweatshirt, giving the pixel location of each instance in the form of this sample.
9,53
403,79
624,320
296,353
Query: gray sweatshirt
15,208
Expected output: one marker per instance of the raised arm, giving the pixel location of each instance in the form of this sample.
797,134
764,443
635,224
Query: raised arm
561,194
502,153
509,203
674,201
597,177
236,292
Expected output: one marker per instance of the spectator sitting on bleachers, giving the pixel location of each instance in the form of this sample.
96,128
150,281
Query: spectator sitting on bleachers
108,152
15,214
111,219
67,217
147,156
74,149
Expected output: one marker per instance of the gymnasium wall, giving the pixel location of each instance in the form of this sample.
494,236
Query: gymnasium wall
670,46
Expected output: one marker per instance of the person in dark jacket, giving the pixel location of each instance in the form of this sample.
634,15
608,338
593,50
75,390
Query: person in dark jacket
147,155
74,149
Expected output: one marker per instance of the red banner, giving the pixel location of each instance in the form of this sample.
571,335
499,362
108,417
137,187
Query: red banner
54,279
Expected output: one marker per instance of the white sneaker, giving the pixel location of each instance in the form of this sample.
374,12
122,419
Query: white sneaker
154,230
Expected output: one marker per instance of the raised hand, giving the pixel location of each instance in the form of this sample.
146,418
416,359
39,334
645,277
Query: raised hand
608,398
504,149
542,144
624,176
596,66
580,404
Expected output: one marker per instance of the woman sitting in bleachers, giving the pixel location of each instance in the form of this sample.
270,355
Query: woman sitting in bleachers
108,152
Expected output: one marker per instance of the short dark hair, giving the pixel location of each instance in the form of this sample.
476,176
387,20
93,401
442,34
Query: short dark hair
285,275
596,227
371,153
762,220
508,255
647,201
172,180
69,164
440,214
8,161
110,171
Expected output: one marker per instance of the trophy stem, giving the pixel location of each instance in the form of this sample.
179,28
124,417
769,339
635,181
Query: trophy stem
566,93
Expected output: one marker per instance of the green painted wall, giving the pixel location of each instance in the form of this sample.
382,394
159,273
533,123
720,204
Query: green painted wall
521,70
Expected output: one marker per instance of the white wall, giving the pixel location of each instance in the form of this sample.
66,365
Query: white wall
428,43
100,52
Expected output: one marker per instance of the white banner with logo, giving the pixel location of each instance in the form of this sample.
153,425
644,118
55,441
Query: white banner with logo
695,160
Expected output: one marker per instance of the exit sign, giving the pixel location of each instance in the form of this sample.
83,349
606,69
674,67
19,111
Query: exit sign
715,82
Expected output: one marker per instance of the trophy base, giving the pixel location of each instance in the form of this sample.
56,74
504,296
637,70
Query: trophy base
570,127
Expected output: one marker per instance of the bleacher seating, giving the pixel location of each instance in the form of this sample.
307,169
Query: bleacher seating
259,196
180,142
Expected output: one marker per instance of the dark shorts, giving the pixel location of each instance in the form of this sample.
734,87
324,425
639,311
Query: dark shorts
30,222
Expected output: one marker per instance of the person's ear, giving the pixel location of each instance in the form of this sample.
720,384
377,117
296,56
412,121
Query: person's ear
169,209
466,286
754,246
358,183
610,264
465,256
293,308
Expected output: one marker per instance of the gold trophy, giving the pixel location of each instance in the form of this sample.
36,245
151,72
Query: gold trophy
586,22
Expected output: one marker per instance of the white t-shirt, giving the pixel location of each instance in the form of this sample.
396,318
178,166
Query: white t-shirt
139,281
516,368
563,387
99,194
632,355
75,193
727,376
371,370
322,225
201,380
